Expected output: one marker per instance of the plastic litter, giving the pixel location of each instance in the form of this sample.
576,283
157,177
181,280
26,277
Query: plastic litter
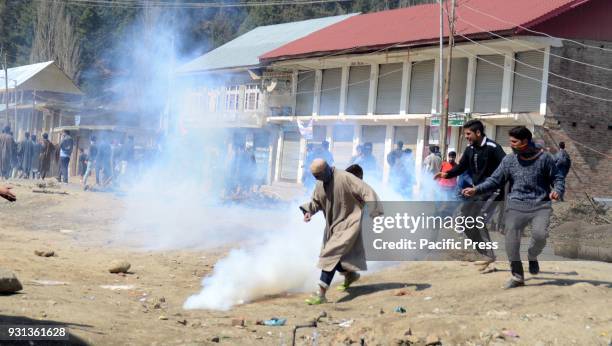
400,309
275,322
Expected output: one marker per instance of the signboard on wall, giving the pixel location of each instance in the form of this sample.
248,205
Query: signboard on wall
454,120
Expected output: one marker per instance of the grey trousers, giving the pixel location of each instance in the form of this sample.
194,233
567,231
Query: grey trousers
515,223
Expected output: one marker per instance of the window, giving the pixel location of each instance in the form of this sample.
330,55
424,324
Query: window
232,95
252,97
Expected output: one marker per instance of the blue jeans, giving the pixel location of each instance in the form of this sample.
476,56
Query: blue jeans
63,169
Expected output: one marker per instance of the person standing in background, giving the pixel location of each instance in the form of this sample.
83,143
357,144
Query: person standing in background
65,150
35,161
7,147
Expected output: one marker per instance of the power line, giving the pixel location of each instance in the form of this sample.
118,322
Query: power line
535,79
535,67
189,5
532,31
532,47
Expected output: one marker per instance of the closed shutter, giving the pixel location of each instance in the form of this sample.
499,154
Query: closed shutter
330,92
319,133
342,147
358,90
375,135
389,88
290,159
305,93
526,93
408,135
456,101
502,138
489,81
421,87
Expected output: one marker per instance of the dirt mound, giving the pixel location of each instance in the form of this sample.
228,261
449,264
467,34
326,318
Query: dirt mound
583,210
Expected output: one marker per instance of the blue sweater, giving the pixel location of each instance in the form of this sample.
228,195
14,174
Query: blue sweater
530,181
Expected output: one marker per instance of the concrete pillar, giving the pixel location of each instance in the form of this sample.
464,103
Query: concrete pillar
373,89
294,83
316,100
301,160
434,99
279,151
388,147
544,90
343,90
406,73
357,134
470,84
508,83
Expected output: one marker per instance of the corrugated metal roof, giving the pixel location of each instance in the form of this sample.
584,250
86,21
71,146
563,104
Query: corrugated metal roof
44,76
244,51
420,24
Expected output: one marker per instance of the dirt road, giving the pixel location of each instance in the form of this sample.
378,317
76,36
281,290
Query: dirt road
569,303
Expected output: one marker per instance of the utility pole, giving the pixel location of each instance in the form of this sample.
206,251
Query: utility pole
440,67
444,117
6,95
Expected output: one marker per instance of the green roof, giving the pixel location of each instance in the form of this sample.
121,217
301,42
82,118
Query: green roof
244,51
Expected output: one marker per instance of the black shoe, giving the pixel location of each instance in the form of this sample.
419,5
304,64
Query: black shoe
534,267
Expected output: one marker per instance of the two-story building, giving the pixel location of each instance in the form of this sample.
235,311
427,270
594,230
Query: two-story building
228,89
374,78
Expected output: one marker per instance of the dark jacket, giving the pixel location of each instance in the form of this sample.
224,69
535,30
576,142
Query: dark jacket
563,162
66,145
480,161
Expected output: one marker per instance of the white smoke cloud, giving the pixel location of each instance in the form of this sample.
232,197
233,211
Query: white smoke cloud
284,261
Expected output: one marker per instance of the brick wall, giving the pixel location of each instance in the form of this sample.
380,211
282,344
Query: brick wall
584,124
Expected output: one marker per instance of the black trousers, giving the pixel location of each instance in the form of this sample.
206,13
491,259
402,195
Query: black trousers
328,276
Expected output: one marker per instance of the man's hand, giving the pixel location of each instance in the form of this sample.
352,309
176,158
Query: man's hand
554,196
440,175
307,217
6,193
469,191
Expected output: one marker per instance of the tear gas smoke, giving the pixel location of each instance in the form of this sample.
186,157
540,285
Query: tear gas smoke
175,202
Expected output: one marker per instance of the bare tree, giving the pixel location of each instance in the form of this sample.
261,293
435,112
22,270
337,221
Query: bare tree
55,38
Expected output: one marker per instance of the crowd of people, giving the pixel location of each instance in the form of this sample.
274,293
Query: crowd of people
526,181
27,159
31,158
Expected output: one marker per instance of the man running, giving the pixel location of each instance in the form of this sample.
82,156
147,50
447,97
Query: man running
480,159
531,173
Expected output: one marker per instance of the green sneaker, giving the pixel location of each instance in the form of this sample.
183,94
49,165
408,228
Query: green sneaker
349,279
316,300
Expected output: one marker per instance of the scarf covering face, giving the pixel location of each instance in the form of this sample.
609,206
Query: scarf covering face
528,151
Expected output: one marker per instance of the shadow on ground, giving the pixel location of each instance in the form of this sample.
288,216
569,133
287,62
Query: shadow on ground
356,291
567,282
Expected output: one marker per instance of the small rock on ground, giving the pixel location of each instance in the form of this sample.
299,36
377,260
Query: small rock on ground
9,282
